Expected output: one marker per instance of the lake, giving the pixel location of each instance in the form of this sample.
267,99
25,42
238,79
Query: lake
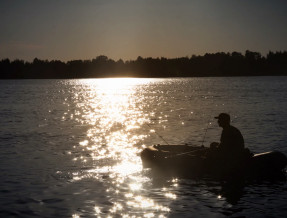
70,148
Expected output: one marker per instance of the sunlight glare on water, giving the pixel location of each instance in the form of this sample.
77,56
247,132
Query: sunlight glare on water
111,109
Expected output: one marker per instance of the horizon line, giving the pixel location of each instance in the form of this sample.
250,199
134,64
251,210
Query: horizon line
147,57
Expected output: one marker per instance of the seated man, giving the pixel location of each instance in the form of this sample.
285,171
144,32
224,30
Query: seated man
226,157
231,141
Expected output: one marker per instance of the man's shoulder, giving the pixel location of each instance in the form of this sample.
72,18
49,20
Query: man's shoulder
233,127
234,130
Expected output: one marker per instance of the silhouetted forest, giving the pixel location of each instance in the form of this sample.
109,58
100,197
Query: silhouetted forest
218,64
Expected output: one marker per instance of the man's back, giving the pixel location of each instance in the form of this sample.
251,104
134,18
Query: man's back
231,139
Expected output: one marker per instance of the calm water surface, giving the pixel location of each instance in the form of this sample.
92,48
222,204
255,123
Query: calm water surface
70,148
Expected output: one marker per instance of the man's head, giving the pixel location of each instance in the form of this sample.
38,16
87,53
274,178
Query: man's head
223,119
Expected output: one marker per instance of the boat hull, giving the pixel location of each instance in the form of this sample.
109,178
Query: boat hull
191,161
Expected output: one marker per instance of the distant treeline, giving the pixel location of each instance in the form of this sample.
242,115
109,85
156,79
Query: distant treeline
218,64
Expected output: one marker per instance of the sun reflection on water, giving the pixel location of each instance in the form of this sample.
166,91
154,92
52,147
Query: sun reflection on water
112,110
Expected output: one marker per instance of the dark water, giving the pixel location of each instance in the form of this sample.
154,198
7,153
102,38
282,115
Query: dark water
69,148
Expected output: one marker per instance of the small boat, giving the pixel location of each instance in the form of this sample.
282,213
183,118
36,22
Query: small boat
190,160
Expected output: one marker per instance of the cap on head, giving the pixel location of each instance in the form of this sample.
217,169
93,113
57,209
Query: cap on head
223,116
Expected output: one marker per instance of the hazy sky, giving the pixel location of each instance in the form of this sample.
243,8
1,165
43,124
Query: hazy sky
85,29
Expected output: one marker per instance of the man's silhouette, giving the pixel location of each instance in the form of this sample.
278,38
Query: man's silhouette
231,140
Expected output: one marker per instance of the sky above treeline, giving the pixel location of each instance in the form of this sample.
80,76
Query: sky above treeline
84,29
